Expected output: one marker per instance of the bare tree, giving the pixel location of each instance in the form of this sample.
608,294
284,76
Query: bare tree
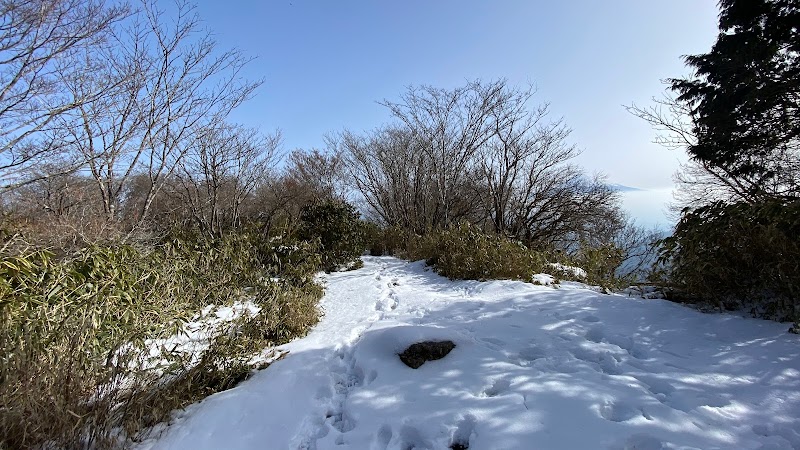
481,154
173,84
395,177
322,174
55,193
525,172
448,128
639,250
41,45
567,208
221,171
59,210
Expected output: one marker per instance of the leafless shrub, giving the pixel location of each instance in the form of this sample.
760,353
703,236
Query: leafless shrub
221,172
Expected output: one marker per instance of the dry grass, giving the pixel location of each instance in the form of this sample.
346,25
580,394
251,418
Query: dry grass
74,332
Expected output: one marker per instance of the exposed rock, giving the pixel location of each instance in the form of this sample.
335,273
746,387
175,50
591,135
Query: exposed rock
421,352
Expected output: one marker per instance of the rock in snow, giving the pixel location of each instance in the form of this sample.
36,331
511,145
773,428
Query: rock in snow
533,367
418,354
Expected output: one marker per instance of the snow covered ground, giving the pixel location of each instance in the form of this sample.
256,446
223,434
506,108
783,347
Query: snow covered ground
535,367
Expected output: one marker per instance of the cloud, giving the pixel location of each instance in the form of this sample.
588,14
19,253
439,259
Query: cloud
648,207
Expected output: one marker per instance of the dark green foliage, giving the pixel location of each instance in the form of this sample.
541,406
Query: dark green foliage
745,96
744,104
375,240
739,256
337,228
385,240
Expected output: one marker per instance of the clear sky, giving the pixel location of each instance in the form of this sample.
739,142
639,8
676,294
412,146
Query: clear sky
327,62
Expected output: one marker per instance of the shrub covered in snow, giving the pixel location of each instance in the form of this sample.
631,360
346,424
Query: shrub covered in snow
568,272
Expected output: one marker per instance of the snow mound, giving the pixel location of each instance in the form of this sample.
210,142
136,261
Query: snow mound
543,279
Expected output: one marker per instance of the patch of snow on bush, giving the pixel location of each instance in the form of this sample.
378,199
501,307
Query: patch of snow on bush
577,272
647,292
195,336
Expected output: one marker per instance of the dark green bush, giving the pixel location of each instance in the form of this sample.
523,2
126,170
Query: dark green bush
375,240
388,241
338,230
739,256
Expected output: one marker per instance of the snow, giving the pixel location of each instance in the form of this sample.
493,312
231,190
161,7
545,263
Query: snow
575,272
533,367
195,336
544,279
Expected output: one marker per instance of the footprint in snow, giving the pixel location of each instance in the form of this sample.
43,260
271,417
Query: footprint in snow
463,433
498,387
411,438
386,304
687,401
346,375
626,343
658,387
600,360
619,411
528,355
642,441
595,334
779,433
341,421
598,335
382,438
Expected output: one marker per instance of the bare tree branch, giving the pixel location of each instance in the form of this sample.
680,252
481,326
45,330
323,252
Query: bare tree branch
42,44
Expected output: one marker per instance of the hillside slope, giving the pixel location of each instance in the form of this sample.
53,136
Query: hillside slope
534,367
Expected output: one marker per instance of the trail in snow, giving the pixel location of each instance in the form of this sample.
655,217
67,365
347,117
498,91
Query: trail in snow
533,367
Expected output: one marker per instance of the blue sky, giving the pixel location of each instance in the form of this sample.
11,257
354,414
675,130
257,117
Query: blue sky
327,62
